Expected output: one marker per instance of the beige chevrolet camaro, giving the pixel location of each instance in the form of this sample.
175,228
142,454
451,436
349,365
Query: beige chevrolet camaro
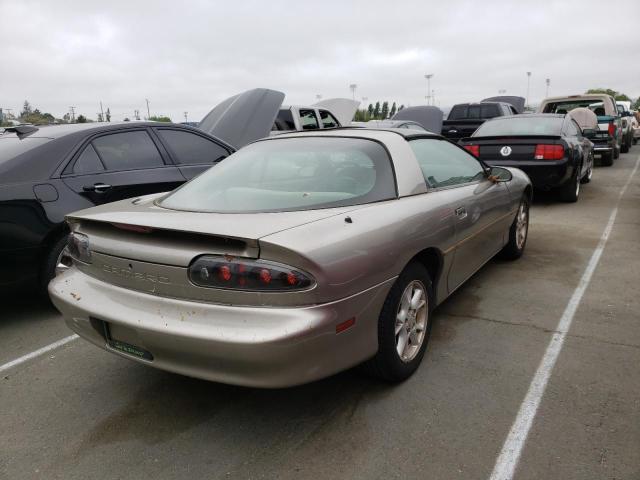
297,257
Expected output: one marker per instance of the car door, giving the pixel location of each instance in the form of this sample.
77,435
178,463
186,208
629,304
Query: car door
119,165
481,207
192,152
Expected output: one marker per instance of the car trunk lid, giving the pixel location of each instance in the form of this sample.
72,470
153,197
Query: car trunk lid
515,148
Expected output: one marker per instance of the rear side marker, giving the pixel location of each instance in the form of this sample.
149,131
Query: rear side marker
341,327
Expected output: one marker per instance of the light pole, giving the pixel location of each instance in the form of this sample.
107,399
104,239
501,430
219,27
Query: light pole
428,77
353,87
148,114
548,82
318,97
185,116
528,83
501,91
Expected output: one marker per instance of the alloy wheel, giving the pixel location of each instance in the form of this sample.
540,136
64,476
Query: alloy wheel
411,320
522,225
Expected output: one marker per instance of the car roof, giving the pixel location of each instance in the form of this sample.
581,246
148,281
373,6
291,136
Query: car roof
59,131
374,133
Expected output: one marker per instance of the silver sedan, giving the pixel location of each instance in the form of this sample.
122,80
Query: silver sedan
295,258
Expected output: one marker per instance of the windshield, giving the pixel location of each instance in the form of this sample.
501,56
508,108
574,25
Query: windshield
520,125
289,174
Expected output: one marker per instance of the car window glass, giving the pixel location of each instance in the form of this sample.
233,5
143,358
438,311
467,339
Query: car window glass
284,121
291,174
127,151
88,162
458,112
328,120
189,148
444,164
308,119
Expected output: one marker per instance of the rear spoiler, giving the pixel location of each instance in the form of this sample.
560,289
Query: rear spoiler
21,130
509,137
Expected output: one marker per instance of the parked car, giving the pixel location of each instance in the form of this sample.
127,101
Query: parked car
330,113
635,123
48,172
430,117
465,118
624,109
608,141
551,149
299,256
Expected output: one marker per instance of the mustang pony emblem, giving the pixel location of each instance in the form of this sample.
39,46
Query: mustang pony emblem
505,151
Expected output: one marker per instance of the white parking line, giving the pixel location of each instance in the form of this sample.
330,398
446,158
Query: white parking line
507,461
37,353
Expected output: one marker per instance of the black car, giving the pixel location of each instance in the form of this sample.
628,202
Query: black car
465,118
48,172
550,148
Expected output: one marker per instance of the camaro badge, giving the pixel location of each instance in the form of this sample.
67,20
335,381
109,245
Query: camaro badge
505,151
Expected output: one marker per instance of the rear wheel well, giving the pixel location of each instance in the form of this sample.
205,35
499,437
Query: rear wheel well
431,258
528,191
51,238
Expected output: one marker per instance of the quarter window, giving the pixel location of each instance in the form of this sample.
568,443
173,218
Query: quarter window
128,151
444,164
308,120
189,148
88,162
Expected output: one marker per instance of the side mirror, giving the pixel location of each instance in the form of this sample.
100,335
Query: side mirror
589,132
499,174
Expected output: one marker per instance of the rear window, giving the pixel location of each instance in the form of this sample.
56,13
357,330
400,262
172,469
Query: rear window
566,106
520,125
11,146
291,174
471,112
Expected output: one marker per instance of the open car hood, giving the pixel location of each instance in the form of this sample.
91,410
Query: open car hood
516,102
243,118
342,108
428,116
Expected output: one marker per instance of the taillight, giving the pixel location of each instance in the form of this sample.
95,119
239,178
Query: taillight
612,129
242,274
549,152
78,247
473,150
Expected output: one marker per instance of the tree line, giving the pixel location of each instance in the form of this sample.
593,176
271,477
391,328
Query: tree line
377,111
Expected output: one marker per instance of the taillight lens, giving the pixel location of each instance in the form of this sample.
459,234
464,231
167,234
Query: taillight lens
549,152
78,247
612,129
243,274
473,150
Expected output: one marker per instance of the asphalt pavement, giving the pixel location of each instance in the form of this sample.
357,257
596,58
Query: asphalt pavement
78,412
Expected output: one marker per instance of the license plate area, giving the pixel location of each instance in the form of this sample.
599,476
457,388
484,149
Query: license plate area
125,340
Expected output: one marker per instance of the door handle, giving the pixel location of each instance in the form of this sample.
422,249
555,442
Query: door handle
461,212
96,187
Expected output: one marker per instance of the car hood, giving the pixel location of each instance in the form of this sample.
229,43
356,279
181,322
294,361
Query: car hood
243,118
342,108
428,116
144,212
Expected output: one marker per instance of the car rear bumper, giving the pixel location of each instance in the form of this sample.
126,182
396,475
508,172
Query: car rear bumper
543,173
252,346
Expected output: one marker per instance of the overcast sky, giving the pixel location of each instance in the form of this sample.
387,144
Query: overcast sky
189,55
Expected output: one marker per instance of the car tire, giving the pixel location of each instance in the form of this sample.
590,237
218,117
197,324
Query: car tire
607,159
624,148
53,257
570,191
616,153
411,296
635,141
518,232
587,176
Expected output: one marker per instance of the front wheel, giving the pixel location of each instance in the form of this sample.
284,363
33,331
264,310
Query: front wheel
518,232
404,325
607,159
